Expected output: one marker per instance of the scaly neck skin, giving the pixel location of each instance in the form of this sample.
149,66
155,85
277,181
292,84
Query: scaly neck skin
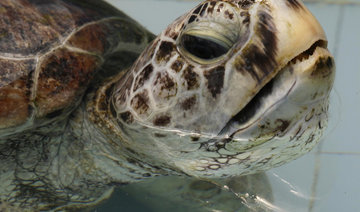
102,154
45,169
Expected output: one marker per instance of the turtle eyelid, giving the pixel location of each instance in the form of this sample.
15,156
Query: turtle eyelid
203,48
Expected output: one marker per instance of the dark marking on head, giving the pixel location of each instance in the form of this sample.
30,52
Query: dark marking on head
221,5
245,4
191,78
143,77
164,79
140,102
320,125
310,51
294,4
215,80
323,67
330,63
127,117
309,116
251,108
229,15
192,19
165,85
162,121
165,50
284,124
197,10
246,16
188,103
177,65
259,59
170,32
212,6
310,139
203,10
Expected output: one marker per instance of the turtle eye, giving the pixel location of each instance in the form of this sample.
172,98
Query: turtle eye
203,47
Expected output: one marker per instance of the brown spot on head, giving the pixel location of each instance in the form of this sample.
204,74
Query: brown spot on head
258,59
143,76
164,81
323,67
164,85
197,10
127,117
283,125
229,15
246,4
211,7
192,19
165,51
177,65
140,103
124,90
162,121
246,16
221,5
294,4
192,79
203,10
171,33
215,80
188,103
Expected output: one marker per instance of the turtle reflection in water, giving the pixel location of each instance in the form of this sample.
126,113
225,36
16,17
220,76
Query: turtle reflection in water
179,194
233,87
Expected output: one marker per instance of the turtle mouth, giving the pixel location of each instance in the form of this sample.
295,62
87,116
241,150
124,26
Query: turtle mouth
250,113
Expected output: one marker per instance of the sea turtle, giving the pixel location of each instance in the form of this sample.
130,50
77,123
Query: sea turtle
233,87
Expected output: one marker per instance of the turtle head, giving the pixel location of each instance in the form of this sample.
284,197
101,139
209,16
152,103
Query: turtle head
232,87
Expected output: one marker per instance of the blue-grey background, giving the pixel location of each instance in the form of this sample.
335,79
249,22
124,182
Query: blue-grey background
328,178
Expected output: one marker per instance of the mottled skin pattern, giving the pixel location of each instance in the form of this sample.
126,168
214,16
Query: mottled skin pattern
231,88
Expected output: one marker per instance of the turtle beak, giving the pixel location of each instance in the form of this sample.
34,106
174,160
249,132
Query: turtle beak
298,92
302,83
298,30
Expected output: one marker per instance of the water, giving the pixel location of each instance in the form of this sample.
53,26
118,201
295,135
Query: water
325,179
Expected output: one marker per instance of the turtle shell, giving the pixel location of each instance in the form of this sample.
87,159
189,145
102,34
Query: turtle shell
51,51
